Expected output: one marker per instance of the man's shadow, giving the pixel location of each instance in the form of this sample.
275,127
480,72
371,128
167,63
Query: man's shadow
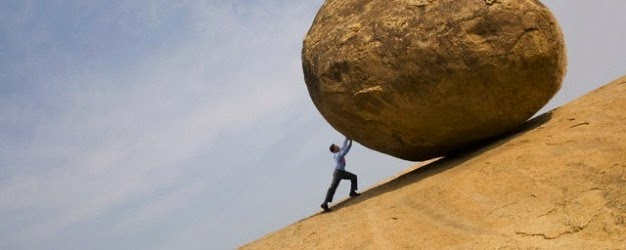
445,163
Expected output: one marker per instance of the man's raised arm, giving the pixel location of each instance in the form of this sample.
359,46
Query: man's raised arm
347,144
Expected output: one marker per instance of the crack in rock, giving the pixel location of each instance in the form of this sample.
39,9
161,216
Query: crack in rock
526,31
509,204
572,230
490,2
369,90
580,124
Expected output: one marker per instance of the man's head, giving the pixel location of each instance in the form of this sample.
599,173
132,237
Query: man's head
334,148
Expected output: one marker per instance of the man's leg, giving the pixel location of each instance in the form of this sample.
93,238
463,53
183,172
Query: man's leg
333,187
353,180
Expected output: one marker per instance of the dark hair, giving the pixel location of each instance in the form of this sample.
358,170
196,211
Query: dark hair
332,146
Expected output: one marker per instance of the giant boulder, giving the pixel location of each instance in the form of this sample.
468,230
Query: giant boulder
418,79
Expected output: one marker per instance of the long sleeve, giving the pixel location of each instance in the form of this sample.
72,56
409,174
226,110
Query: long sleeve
347,144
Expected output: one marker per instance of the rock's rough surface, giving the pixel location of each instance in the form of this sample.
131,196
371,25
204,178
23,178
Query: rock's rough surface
418,79
559,183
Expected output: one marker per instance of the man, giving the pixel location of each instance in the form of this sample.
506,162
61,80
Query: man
340,173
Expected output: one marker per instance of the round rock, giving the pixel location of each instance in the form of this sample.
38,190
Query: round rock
418,79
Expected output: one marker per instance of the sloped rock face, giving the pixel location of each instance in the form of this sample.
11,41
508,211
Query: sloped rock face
418,79
558,183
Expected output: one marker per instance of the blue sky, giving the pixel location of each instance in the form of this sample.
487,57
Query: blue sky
187,124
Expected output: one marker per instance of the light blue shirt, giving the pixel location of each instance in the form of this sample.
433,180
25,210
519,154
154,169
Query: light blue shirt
340,160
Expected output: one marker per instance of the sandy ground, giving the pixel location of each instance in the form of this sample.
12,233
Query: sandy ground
559,182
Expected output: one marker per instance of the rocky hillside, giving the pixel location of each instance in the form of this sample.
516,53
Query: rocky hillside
558,182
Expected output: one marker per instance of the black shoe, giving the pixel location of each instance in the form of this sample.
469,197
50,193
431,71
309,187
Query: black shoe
354,194
325,207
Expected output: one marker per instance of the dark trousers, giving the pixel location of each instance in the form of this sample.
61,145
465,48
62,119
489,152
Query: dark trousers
339,175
